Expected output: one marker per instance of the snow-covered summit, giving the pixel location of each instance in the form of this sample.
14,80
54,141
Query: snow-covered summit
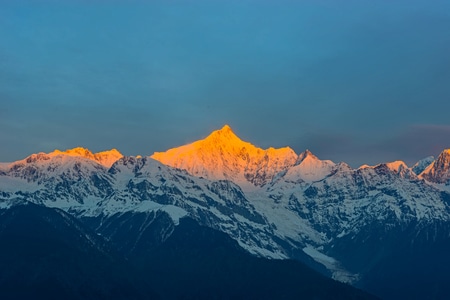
105,158
223,155
309,168
439,170
399,167
422,164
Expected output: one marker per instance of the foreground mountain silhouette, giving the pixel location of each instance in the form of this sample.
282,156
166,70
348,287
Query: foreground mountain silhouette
49,254
355,225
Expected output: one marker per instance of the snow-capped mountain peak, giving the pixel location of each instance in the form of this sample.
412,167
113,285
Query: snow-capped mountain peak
439,170
422,164
57,159
397,165
223,135
222,142
108,158
105,158
306,155
309,168
223,155
77,151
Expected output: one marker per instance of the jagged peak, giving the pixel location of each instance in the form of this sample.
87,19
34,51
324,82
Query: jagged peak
306,155
224,139
226,129
309,168
342,166
108,158
427,159
443,160
105,158
223,155
365,166
439,170
85,152
77,151
422,164
223,135
397,165
446,152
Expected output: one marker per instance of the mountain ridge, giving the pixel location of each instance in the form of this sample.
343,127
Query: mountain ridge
224,142
273,202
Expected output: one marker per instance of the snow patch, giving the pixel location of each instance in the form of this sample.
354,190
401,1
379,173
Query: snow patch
176,213
14,184
5,204
331,264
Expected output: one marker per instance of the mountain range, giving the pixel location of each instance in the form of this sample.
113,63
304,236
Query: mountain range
383,228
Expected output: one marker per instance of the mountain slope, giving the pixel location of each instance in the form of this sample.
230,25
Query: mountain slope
190,261
206,259
47,254
85,188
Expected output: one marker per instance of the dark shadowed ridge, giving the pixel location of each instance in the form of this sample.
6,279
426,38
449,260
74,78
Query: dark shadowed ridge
47,254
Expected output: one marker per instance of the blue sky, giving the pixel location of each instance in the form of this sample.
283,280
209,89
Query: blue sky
356,81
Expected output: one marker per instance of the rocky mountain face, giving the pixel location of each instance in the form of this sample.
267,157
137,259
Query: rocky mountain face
349,224
47,253
422,164
439,170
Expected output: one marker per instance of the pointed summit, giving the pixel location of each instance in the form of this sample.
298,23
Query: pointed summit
439,170
309,168
396,166
422,164
306,155
225,129
223,155
224,135
108,158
